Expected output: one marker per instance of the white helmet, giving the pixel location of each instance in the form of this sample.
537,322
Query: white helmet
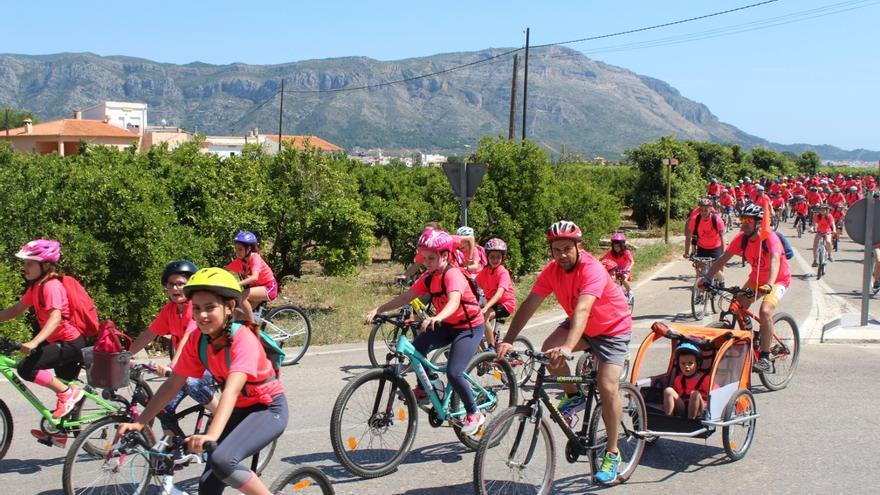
465,231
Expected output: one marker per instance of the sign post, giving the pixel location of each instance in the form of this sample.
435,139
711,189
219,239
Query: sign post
669,162
861,225
464,178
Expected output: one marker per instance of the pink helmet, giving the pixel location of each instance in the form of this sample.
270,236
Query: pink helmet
40,250
618,237
435,240
496,244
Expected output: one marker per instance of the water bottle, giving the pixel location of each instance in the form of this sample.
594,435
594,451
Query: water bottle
439,386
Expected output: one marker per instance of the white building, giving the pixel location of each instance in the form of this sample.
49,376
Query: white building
125,115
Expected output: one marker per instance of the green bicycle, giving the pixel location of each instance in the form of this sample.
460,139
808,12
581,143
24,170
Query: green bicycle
94,407
375,418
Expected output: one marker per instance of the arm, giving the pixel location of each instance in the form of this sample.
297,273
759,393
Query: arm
578,322
13,311
163,396
774,268
252,278
719,264
522,316
141,341
494,300
231,389
395,303
50,326
452,304
411,270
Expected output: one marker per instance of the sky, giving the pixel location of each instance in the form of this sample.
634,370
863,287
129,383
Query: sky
810,81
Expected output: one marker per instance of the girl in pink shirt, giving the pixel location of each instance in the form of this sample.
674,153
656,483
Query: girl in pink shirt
258,281
623,258
497,286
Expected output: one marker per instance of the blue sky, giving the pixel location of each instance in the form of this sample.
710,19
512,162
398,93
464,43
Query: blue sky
812,81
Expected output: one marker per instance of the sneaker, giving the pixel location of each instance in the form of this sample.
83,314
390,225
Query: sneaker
830,258
59,440
67,401
762,365
608,471
472,423
876,286
569,405
180,457
421,395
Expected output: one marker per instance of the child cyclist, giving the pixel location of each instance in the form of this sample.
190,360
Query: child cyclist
458,321
689,392
253,408
257,280
622,256
58,344
497,286
469,257
824,227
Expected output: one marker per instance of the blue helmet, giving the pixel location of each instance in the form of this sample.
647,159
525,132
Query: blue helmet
688,348
246,237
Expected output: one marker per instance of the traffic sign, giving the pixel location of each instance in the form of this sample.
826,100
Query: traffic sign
855,221
465,179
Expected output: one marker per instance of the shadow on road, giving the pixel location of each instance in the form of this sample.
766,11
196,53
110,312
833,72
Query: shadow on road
353,370
28,466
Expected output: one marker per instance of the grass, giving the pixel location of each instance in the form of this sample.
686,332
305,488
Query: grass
650,255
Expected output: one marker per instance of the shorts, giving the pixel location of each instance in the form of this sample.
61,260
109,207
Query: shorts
713,253
774,297
272,290
500,311
610,349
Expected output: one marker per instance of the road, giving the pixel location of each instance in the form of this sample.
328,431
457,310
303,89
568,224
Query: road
817,436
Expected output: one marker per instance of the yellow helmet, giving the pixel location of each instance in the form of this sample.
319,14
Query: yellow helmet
216,280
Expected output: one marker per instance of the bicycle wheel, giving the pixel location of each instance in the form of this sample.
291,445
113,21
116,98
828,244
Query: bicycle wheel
737,438
820,258
784,352
139,395
374,423
515,455
262,458
698,302
5,429
523,366
500,390
382,340
85,472
629,446
289,326
302,480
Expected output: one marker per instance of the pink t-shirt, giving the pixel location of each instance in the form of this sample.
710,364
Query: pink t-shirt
477,255
624,260
54,297
490,279
753,247
265,277
170,322
246,355
455,282
610,313
708,236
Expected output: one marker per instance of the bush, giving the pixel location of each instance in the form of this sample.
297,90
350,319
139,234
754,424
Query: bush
649,205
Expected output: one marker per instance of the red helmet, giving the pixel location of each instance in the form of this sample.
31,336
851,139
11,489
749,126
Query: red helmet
563,229
40,250
435,240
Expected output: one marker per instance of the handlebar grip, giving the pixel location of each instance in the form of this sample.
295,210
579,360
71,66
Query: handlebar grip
209,446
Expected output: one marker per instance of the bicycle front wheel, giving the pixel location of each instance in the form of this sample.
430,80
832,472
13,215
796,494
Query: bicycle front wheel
494,387
302,481
698,302
630,446
523,366
784,352
382,340
291,329
374,423
515,455
87,473
5,429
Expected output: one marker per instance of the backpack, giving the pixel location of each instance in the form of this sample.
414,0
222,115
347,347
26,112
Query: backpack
471,282
786,246
274,352
111,339
83,312
712,219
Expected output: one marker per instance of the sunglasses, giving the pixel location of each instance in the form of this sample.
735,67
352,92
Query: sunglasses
746,220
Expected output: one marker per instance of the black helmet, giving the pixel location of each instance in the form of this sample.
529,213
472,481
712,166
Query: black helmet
753,210
182,267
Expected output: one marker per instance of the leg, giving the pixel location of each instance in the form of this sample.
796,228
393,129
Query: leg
65,357
766,316
464,346
695,405
672,403
815,247
488,332
608,380
556,339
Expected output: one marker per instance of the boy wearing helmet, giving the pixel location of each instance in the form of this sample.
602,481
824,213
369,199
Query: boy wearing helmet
824,226
497,285
689,392
598,317
623,258
253,408
59,343
257,280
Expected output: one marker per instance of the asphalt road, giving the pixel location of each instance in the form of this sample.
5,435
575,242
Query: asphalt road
817,436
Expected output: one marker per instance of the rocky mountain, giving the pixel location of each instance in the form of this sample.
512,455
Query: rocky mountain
580,104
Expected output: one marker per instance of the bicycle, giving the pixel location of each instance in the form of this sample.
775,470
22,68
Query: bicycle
701,300
620,277
784,352
375,419
94,407
289,327
821,257
383,338
510,444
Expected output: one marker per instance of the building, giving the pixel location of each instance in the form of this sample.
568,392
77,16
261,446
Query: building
173,136
226,146
63,136
125,115
300,142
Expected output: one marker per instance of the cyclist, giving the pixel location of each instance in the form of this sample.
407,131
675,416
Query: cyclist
726,202
852,195
253,408
770,274
708,235
470,257
714,188
497,285
623,258
837,202
258,282
58,344
801,210
778,204
598,317
824,227
459,320
176,319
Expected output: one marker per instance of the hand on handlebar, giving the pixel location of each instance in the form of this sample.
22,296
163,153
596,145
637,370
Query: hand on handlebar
502,348
558,355
27,347
196,443
368,318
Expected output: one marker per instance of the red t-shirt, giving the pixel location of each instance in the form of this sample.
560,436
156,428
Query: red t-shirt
54,297
624,260
246,355
714,189
777,202
490,279
708,236
814,198
455,282
690,384
753,249
477,255
837,199
824,224
610,313
726,200
801,208
265,277
170,322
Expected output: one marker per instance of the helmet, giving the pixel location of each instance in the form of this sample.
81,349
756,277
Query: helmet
747,178
753,210
688,348
610,265
618,237
836,189
705,202
245,237
853,188
799,197
724,191
814,188
784,185
496,244
759,187
216,280
435,240
798,183
465,231
823,181
740,181
563,229
40,250
182,267
713,180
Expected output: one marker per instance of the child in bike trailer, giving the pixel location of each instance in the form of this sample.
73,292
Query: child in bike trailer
824,226
253,408
598,318
689,393
257,280
801,209
176,319
497,286
623,258
58,344
459,320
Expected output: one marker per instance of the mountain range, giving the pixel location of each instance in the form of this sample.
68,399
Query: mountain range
575,104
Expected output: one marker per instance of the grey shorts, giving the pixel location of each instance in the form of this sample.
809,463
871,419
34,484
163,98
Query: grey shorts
608,349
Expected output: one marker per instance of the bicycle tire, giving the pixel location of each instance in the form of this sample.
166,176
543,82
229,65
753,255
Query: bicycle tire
698,306
291,329
300,479
78,460
500,376
630,447
719,324
513,423
380,343
5,429
345,445
742,403
261,459
784,346
524,366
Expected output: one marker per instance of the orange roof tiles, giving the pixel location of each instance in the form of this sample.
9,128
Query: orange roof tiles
299,142
74,128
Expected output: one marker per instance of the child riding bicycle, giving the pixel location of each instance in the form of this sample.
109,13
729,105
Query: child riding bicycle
824,227
258,282
497,285
624,260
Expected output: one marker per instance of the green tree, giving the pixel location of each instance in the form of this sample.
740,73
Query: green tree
714,158
808,162
767,160
649,205
11,118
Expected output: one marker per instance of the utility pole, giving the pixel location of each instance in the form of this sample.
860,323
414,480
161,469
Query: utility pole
525,86
7,124
281,115
512,127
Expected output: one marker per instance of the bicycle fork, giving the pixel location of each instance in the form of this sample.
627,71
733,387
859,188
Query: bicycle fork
533,441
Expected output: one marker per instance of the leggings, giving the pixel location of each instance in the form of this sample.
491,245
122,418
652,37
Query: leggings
64,357
249,430
464,345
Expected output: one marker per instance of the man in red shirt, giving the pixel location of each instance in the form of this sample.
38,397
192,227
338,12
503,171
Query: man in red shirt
708,234
714,188
852,196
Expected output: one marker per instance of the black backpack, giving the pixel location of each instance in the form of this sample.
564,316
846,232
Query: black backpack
475,290
712,218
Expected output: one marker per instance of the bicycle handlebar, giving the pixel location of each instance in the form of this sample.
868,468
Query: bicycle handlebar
537,356
734,290
7,346
392,318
